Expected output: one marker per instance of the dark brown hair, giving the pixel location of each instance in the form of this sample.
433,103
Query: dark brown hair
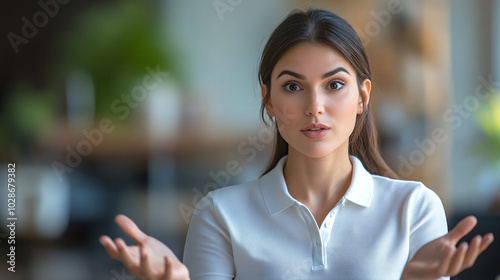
327,28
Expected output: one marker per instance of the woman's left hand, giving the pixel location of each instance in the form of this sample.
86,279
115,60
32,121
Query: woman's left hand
441,257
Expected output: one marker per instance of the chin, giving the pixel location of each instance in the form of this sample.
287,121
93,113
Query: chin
316,152
319,149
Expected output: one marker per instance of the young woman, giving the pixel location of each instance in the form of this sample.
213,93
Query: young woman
327,207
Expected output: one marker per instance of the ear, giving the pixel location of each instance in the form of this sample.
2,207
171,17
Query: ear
268,105
365,90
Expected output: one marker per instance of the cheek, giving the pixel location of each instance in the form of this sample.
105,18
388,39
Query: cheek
286,118
344,110
286,110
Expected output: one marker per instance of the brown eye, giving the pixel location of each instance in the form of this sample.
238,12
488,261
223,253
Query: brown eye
292,87
335,85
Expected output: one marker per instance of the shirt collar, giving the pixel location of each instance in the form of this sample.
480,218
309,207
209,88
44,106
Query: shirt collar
274,190
277,198
361,189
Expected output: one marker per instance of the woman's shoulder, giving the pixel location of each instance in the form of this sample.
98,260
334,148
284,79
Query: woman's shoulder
236,190
386,181
412,195
402,186
238,193
386,185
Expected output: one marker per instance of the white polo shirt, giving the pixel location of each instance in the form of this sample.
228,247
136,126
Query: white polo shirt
257,230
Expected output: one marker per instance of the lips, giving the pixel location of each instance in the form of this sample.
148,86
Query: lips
316,130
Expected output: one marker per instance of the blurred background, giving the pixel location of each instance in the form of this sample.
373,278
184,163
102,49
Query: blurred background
142,107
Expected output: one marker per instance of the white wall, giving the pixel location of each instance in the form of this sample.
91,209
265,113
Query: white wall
222,52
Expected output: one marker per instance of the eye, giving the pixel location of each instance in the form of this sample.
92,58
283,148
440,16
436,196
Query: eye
335,85
291,87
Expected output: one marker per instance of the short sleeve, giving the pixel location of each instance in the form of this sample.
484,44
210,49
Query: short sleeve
208,252
428,222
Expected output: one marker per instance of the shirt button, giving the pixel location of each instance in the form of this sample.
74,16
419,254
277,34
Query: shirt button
317,244
331,214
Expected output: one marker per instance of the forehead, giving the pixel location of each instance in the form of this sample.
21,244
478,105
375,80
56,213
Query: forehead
311,60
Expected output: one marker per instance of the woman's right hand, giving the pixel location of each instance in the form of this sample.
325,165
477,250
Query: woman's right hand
148,259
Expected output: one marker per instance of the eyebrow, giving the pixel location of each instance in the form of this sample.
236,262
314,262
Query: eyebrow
302,77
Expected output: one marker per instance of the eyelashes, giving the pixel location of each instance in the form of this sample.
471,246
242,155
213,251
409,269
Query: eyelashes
293,86
339,84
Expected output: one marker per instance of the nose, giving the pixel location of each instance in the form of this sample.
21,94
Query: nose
315,104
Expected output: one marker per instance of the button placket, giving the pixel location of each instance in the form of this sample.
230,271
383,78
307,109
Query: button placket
316,240
320,236
327,227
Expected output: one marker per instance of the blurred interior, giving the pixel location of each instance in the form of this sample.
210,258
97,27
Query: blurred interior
142,107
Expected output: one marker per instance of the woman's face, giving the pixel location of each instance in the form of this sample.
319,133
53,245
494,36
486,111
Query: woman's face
315,99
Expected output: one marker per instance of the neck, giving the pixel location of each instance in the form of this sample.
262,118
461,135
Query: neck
318,181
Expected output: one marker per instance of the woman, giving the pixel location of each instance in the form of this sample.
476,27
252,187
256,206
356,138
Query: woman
327,207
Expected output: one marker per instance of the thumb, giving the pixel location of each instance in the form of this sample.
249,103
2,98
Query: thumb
130,228
461,229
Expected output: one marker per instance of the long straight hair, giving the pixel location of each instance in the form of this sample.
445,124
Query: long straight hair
325,27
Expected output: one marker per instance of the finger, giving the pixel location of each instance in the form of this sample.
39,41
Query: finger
110,247
121,246
473,252
168,268
145,266
425,270
444,265
461,229
457,260
487,240
125,256
130,228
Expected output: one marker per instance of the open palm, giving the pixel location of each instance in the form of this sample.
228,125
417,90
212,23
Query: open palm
149,258
441,257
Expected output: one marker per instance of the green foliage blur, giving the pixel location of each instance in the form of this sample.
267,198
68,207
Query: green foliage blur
113,43
488,118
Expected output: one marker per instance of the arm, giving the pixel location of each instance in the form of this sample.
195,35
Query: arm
208,251
148,258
